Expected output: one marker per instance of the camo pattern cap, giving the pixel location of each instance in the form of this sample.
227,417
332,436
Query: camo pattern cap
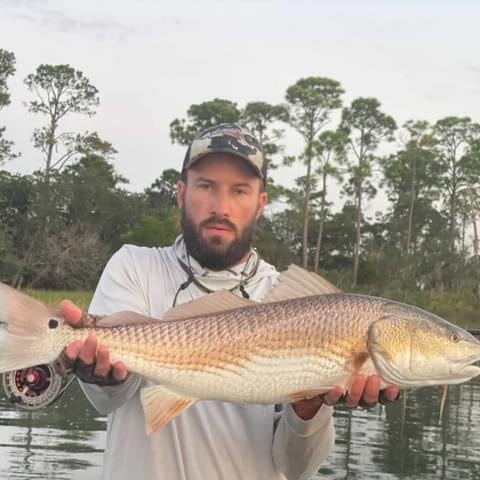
227,138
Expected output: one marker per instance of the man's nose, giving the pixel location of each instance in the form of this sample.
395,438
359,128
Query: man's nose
221,204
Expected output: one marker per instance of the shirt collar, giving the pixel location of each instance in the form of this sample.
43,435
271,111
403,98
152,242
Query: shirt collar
228,279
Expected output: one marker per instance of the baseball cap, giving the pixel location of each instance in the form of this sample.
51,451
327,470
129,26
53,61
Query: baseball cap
227,138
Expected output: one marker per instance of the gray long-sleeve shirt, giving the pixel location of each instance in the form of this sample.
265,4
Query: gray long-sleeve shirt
211,440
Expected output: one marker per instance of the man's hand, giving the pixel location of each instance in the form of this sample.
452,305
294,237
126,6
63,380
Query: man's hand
364,392
91,362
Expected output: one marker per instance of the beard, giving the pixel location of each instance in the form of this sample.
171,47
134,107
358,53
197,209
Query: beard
214,253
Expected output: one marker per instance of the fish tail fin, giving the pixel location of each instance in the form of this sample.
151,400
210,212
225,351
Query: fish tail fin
24,330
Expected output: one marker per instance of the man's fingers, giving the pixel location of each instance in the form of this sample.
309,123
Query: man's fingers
91,363
88,353
364,392
333,396
102,367
72,350
356,391
71,312
390,394
119,371
371,392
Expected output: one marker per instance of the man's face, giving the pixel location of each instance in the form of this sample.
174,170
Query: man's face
221,202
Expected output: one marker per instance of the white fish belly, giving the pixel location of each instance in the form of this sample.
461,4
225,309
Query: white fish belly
261,380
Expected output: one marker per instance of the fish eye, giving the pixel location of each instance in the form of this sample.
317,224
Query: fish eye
454,337
53,323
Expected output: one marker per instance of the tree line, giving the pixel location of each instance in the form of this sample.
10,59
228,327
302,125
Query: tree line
59,224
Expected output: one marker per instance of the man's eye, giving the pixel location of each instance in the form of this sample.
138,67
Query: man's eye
204,186
240,191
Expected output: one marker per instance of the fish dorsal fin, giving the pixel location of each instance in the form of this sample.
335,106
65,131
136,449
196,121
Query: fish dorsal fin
123,318
296,282
210,304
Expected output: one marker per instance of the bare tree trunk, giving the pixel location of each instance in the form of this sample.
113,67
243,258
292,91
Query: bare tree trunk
453,205
476,240
464,230
476,249
438,277
322,222
453,214
306,204
18,278
412,207
358,223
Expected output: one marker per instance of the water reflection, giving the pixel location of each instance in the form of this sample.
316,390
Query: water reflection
404,441
407,441
63,441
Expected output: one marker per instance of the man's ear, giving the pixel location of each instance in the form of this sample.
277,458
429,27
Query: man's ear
262,201
181,187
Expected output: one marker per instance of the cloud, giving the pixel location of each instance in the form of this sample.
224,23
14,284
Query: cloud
47,14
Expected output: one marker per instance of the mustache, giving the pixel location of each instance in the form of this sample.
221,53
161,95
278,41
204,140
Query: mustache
218,221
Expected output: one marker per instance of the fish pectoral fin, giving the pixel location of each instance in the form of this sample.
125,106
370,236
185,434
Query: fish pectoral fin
160,405
296,282
306,394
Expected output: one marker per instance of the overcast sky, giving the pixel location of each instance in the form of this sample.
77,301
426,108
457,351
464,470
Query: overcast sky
151,60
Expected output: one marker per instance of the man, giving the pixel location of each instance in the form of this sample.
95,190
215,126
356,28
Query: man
221,196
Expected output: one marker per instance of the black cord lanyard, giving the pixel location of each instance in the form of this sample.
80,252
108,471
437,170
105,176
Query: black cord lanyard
192,279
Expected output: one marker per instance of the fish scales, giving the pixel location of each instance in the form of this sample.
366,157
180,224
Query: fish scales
220,347
313,332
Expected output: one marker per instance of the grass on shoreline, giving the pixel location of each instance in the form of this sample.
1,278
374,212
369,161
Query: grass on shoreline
456,306
53,298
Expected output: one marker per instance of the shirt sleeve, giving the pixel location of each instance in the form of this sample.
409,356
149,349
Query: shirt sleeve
301,446
119,288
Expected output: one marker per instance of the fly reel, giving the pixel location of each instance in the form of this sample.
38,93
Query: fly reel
34,387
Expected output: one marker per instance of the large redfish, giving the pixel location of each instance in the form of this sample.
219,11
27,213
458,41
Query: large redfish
299,342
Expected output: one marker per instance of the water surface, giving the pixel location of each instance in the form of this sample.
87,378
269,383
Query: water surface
403,441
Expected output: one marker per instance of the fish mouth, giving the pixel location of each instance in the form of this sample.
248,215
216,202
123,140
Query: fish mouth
471,365
466,370
459,373
471,370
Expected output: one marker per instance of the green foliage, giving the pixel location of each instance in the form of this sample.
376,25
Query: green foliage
366,126
201,116
458,306
310,102
411,177
260,118
59,224
8,257
59,90
6,147
7,69
457,147
270,243
153,231
162,193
